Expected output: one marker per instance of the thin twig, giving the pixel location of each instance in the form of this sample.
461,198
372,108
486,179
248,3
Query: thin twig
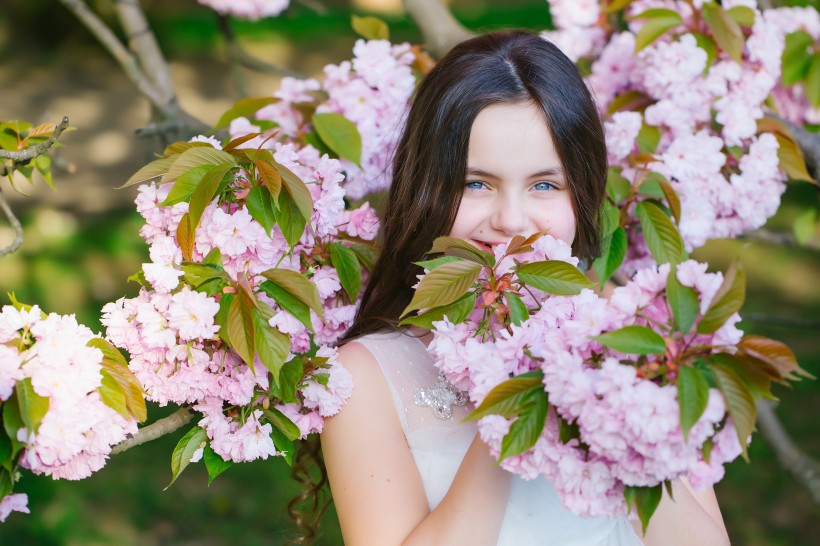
781,238
37,149
164,426
440,29
801,466
238,55
15,223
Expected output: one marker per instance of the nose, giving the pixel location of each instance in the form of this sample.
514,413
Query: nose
509,217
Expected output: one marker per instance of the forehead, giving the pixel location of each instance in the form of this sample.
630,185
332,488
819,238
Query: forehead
511,139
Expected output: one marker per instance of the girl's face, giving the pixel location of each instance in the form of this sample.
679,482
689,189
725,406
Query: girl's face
515,184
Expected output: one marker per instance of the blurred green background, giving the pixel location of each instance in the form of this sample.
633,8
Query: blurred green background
81,243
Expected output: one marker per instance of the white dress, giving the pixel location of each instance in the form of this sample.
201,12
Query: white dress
534,514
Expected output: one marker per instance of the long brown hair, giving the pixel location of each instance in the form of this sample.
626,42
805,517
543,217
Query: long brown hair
430,162
429,170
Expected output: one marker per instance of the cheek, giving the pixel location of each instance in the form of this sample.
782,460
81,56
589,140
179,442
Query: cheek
558,219
465,221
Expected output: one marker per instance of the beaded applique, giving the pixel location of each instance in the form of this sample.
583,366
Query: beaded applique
441,397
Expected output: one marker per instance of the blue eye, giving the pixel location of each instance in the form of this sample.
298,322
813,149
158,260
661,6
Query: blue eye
474,185
544,186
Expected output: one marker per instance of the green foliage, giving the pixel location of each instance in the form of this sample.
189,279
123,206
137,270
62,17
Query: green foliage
636,340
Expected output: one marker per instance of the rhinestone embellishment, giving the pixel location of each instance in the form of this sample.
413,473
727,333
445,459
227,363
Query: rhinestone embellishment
440,398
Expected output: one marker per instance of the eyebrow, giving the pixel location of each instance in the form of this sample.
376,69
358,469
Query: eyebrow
552,171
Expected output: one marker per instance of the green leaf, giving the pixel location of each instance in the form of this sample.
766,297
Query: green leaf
803,227
185,185
567,431
444,285
648,138
289,219
176,148
288,302
297,190
289,378
185,237
796,57
367,254
739,402
743,15
341,135
756,374
554,277
196,157
684,303
456,312
155,169
518,309
661,235
221,317
617,5
506,399
613,252
314,140
215,464
114,364
12,422
184,450
660,21
297,285
634,340
244,108
707,44
281,421
725,30
693,395
196,274
270,177
112,394
526,430
453,246
260,206
813,82
33,407
283,444
272,346
348,268
727,301
5,450
43,165
206,191
370,28
435,262
792,160
776,354
241,329
610,218
645,500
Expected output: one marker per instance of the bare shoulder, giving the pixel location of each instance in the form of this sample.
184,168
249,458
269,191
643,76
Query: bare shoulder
373,477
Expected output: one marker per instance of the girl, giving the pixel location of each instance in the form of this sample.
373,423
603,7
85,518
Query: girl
503,138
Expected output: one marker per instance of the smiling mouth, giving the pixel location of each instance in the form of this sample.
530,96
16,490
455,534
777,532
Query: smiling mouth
486,245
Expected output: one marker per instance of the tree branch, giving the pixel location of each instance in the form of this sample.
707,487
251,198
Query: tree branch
802,467
164,426
143,43
109,40
15,223
782,238
141,39
37,149
440,29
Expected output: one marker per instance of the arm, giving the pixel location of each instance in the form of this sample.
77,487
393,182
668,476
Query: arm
692,518
376,486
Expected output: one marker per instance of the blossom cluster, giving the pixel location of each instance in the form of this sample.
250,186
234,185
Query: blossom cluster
52,379
372,91
252,10
614,418
685,107
172,330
